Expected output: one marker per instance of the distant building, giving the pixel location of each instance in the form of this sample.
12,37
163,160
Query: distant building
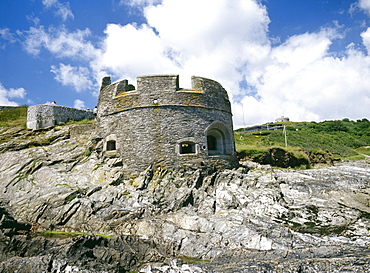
282,119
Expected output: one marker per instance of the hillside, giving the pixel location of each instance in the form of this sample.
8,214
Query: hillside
308,143
15,116
59,194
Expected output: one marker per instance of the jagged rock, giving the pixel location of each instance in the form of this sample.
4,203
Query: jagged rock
78,254
258,212
9,226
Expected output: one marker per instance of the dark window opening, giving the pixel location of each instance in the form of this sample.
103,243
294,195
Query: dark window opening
111,145
212,143
187,148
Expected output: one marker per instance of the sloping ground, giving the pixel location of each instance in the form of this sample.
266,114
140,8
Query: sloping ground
305,144
251,219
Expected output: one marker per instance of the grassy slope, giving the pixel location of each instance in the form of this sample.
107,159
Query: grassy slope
340,138
14,117
13,125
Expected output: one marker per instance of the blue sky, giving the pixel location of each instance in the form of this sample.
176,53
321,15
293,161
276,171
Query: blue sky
308,60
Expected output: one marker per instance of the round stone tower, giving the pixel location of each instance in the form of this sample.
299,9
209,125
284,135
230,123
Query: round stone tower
161,125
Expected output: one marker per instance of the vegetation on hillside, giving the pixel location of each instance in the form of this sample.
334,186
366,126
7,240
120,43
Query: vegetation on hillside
308,142
13,128
13,117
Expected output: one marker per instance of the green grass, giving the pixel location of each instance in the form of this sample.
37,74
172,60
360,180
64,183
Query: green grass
191,260
364,150
80,122
17,117
343,139
14,117
340,139
62,234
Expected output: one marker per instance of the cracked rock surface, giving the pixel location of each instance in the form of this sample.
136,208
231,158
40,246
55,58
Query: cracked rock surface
251,219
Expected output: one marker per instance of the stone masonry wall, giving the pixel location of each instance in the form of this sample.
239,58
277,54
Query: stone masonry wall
162,90
151,136
44,115
148,125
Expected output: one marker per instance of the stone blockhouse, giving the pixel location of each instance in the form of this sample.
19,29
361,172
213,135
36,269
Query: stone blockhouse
162,125
282,119
46,115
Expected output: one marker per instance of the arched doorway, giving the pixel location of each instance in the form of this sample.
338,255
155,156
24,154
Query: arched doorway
219,141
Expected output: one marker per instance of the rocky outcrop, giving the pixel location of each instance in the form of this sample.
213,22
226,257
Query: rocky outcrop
283,158
251,219
79,254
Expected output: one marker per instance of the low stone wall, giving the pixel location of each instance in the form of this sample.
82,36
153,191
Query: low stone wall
85,129
44,115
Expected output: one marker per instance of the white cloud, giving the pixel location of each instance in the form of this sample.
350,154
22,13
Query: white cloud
16,93
133,50
60,42
6,35
62,9
77,77
141,3
364,4
366,39
228,41
6,94
219,40
303,81
79,104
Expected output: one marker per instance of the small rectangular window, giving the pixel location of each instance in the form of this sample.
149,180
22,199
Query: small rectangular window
187,148
111,145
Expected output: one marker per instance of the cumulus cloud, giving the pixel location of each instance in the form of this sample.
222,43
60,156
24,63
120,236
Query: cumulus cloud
77,77
6,94
79,104
220,39
133,50
228,41
61,9
60,42
312,84
366,39
365,5
299,78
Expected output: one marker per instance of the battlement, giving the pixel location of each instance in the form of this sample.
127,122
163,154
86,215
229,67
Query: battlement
46,115
161,91
162,125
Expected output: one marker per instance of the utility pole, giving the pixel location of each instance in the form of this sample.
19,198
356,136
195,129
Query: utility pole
284,132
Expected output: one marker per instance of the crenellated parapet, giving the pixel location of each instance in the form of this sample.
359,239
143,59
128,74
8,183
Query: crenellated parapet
162,91
162,125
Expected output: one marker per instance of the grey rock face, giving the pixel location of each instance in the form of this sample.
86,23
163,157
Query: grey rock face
250,219
79,254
